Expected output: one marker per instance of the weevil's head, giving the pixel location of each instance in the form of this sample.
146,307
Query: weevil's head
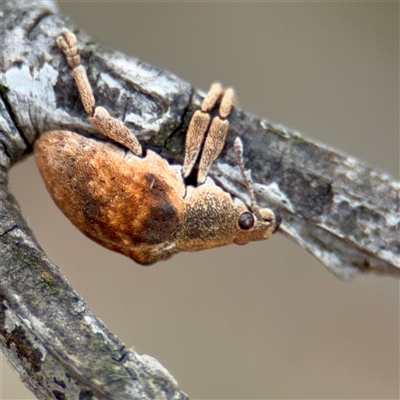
254,223
213,218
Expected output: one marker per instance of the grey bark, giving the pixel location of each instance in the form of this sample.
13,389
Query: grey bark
57,346
341,210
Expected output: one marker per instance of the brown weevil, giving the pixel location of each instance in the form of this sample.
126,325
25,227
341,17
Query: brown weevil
139,205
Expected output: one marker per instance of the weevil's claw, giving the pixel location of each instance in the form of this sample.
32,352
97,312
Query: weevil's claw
278,221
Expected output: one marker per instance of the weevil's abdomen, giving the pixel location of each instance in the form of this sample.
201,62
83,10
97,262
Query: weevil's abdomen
128,204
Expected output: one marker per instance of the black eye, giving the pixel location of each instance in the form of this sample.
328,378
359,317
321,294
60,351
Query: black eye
246,220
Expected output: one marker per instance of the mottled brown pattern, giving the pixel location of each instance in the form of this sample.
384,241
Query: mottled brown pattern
109,196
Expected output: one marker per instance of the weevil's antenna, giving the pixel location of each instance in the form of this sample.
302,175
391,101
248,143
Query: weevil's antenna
238,148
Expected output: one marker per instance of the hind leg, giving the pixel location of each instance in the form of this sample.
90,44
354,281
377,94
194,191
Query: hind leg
99,116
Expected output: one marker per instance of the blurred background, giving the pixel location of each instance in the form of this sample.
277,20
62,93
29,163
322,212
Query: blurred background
265,320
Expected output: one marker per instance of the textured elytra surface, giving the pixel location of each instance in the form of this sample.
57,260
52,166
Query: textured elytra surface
330,202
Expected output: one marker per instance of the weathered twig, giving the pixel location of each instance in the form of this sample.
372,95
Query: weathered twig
338,208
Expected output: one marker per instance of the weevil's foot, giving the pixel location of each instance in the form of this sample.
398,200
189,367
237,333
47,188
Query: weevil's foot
67,43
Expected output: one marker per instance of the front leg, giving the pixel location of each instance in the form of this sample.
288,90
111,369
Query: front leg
216,135
98,116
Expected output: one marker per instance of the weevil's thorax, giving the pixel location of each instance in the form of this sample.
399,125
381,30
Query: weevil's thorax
207,220
212,218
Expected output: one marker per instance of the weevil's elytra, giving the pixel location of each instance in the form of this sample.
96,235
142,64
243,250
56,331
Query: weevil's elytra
139,205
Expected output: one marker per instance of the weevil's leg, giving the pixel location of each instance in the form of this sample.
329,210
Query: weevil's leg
194,138
216,136
213,146
212,97
198,127
227,103
99,116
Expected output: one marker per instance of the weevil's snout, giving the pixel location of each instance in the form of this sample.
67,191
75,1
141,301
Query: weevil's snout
266,215
269,216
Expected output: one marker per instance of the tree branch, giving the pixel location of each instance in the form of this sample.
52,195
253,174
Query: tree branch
58,347
341,210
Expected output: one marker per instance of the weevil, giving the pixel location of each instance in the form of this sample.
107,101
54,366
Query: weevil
135,203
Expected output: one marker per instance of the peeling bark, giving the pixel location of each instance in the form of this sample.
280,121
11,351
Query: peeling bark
338,208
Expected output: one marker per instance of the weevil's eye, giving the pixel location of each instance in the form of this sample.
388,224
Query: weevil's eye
246,220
